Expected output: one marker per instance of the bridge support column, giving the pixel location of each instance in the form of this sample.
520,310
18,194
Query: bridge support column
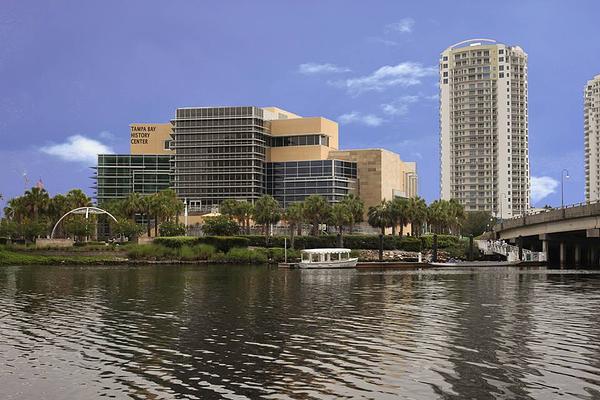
563,254
577,255
593,256
545,249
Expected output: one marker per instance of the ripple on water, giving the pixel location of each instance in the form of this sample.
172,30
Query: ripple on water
246,332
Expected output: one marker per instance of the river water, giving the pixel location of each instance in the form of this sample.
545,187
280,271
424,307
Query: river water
207,332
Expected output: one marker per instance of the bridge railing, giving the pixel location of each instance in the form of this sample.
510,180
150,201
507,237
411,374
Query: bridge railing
569,211
509,251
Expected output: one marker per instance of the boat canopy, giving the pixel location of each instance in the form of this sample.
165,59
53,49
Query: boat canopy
326,251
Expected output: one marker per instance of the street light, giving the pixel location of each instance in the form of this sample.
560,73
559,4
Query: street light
562,187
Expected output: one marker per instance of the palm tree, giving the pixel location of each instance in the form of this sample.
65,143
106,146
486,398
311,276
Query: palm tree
379,217
356,207
36,201
456,215
316,211
340,217
294,216
245,211
267,212
76,198
172,206
241,211
230,207
58,207
399,213
437,215
417,214
134,204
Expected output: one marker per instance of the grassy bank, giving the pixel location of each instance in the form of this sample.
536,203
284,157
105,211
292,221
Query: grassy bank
208,253
147,253
10,257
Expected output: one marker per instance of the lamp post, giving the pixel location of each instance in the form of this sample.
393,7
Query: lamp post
562,186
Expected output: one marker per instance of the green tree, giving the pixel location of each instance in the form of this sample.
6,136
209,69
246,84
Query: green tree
76,198
134,204
356,207
379,217
294,216
267,212
438,216
477,222
35,201
417,214
171,229
457,216
316,211
79,227
241,211
128,228
220,225
32,229
164,206
245,212
341,216
399,213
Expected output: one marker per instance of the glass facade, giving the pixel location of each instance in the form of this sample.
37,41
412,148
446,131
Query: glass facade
219,154
293,181
299,140
119,175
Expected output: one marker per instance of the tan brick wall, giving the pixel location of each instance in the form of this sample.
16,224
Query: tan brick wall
306,126
381,173
297,153
149,138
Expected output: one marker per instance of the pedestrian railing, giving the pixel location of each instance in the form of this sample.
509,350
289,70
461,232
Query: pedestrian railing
509,251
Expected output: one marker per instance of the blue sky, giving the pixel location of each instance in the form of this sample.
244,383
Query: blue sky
74,75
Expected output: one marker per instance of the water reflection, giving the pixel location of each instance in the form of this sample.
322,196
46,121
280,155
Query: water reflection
254,332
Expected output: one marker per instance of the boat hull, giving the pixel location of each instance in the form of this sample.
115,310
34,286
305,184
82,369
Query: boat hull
350,263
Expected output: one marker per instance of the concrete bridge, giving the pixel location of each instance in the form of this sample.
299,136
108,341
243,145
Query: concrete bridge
569,236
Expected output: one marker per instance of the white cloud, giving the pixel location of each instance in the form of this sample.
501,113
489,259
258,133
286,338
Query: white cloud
400,105
106,135
79,149
383,41
403,74
359,118
541,187
314,68
405,25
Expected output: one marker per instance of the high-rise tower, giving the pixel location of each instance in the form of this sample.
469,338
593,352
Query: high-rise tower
591,110
484,127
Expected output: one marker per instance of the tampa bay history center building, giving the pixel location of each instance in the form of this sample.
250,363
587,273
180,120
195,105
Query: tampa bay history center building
209,154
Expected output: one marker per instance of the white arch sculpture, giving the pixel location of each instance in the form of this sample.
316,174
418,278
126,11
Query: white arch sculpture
82,210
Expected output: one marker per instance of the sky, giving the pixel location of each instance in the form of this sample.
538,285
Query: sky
75,74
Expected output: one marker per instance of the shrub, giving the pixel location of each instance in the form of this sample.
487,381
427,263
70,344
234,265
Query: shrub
176,242
224,243
171,229
127,228
220,225
245,256
151,252
198,252
277,254
313,242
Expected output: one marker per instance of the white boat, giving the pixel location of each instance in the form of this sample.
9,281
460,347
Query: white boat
324,258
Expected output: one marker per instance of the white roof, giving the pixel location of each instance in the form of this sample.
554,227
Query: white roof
326,251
